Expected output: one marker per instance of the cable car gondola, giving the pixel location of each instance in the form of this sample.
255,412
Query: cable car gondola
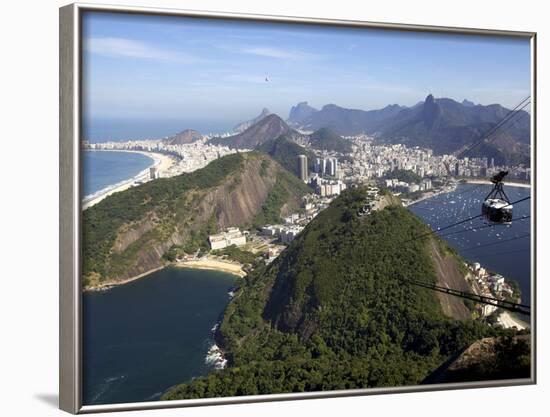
497,208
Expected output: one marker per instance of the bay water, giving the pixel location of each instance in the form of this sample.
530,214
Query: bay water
143,337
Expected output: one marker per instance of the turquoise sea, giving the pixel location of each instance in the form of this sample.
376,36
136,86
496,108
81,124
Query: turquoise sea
102,169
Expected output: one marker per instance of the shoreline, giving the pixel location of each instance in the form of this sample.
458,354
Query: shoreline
111,284
505,319
473,181
432,195
508,321
161,161
232,268
506,183
206,264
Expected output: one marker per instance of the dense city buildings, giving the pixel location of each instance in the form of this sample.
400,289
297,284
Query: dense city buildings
370,160
190,156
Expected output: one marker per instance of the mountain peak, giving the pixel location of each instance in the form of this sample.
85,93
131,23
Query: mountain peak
241,127
184,137
267,128
430,111
300,112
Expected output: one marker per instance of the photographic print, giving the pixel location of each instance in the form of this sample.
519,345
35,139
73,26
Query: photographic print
285,207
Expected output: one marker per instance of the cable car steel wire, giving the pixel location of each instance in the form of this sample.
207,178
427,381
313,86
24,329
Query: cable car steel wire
496,208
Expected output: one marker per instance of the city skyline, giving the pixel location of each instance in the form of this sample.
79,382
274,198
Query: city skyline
160,67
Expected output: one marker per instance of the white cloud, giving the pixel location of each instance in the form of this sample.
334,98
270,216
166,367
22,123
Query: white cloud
278,53
245,78
129,48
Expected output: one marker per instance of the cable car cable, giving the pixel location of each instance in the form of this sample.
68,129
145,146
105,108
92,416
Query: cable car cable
440,229
480,227
509,116
497,242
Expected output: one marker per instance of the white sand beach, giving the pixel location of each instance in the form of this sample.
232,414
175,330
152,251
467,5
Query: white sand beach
214,264
233,268
508,321
161,161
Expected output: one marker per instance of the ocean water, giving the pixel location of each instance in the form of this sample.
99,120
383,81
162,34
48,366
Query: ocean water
105,130
141,338
502,249
102,169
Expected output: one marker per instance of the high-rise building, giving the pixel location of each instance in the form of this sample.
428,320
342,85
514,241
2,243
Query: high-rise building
302,167
331,167
154,173
319,166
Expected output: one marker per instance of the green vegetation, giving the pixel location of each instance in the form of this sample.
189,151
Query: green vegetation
102,222
404,175
140,228
504,357
286,152
333,313
326,139
171,254
264,167
514,285
285,186
236,254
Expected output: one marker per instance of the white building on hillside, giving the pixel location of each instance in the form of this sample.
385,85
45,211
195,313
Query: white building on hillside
232,236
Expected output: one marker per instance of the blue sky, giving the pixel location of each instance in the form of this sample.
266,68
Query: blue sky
160,67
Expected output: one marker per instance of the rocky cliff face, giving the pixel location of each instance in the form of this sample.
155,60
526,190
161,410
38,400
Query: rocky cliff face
490,358
237,200
300,112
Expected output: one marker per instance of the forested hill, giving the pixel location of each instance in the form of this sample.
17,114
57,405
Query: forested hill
128,233
285,151
331,312
326,139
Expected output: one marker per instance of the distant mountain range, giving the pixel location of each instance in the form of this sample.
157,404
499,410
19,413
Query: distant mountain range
441,124
447,126
263,133
341,120
444,125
